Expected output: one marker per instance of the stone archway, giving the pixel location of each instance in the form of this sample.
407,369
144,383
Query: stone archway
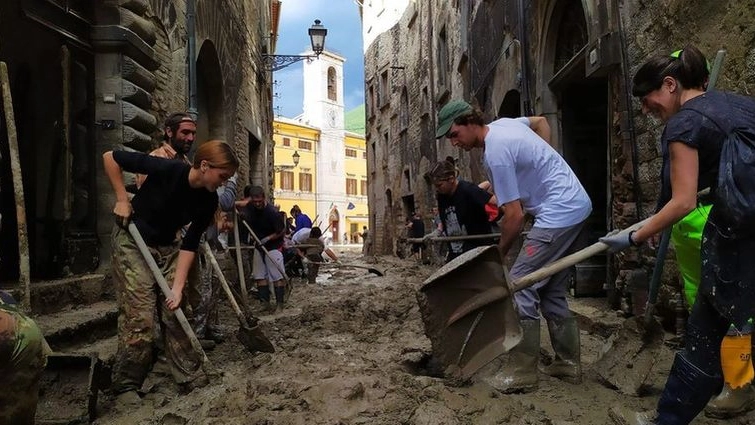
212,114
578,107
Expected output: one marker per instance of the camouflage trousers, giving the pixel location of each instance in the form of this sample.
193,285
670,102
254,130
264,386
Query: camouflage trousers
138,300
205,308
23,356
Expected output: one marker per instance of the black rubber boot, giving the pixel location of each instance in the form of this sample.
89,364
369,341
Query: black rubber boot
686,393
688,389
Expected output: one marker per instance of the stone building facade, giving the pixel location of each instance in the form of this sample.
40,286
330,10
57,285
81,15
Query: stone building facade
568,60
92,76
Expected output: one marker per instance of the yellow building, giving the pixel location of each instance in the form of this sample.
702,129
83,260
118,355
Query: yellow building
295,164
296,158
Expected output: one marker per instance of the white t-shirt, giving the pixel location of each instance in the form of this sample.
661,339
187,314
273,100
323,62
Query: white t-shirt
303,234
300,235
523,166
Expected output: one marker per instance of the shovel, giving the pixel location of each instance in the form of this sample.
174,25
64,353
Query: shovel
163,284
289,285
357,266
249,334
632,350
475,286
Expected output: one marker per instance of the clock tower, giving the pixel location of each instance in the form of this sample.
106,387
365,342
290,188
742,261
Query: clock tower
324,109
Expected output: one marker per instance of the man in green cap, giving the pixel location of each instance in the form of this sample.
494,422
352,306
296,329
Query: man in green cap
528,177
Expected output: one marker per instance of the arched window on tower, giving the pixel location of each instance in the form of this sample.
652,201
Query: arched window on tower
332,91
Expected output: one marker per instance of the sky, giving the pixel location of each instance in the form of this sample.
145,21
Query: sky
341,18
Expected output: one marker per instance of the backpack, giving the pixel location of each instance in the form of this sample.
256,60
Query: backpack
735,189
734,194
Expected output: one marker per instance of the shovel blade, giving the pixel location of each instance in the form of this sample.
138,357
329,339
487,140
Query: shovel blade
629,355
462,343
253,339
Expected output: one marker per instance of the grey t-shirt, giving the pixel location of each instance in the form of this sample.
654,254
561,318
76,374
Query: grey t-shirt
523,166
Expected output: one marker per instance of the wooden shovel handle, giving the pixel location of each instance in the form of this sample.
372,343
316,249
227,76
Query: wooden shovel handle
568,261
577,257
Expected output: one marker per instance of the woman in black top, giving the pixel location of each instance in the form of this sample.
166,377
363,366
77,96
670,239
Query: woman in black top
673,89
174,195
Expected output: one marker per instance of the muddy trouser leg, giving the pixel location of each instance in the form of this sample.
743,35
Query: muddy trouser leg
313,269
543,246
20,393
136,309
185,364
203,287
213,321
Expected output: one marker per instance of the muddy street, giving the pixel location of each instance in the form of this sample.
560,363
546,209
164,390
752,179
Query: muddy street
352,350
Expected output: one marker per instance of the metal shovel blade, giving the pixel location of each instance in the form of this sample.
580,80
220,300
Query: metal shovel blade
630,354
469,313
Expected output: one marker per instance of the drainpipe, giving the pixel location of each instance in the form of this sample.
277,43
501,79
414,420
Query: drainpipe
524,49
191,57
629,117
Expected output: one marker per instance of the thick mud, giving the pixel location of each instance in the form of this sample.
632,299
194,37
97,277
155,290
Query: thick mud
352,350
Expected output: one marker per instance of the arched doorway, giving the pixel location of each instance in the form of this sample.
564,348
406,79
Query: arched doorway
582,104
511,106
211,121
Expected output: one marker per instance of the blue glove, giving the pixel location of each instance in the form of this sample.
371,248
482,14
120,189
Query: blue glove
617,241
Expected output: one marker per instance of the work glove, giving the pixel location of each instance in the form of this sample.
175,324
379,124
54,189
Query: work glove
265,240
430,236
617,241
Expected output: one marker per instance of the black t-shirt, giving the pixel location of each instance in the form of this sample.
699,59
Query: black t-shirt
165,203
700,131
264,222
418,228
463,213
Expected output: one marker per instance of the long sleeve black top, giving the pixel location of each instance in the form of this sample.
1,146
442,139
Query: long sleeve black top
165,202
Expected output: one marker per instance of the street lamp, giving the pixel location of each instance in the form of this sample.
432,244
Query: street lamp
286,167
317,34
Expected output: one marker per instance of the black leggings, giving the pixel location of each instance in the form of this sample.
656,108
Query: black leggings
706,329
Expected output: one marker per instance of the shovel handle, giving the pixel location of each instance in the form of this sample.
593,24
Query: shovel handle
224,283
568,261
163,284
577,257
264,250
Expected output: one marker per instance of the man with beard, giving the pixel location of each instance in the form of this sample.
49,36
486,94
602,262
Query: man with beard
179,133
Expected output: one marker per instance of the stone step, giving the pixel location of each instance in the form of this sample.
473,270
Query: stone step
62,294
78,326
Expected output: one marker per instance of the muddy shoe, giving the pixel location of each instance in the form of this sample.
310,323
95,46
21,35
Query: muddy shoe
207,344
621,415
731,402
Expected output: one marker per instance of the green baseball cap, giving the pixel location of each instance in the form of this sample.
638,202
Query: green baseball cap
449,113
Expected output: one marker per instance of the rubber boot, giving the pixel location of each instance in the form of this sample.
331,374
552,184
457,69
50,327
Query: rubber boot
565,340
280,297
731,402
518,372
687,391
738,373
